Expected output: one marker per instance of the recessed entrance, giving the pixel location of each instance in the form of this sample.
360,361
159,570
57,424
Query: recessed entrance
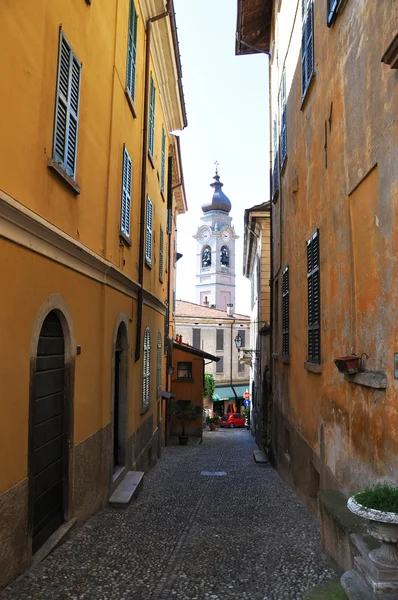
120,398
48,444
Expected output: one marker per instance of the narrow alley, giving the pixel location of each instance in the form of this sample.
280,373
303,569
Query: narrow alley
191,535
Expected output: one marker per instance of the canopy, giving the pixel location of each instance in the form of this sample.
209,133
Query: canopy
224,392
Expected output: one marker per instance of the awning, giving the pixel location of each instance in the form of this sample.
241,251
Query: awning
225,392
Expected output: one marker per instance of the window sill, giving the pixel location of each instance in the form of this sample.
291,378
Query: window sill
130,102
60,171
151,160
307,91
372,379
124,240
285,360
313,367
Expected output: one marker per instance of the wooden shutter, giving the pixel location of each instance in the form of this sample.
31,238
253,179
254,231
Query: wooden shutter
241,366
220,365
67,107
146,369
285,312
314,300
159,365
163,160
220,339
148,240
170,194
126,194
307,43
132,50
196,338
151,136
275,175
283,117
332,6
161,241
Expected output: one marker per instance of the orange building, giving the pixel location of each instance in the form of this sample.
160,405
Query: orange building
334,132
90,186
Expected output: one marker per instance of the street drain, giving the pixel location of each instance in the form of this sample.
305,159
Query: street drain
213,473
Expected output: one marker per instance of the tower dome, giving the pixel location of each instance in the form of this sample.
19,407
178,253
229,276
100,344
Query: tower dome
219,201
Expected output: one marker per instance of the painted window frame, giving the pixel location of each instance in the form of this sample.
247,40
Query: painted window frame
127,179
148,231
307,45
159,365
314,299
151,125
67,107
132,34
285,313
146,370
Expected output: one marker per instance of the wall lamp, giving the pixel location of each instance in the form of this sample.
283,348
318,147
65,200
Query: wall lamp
238,344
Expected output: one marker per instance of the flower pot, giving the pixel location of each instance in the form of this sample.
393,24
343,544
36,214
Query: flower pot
183,439
348,364
212,426
384,527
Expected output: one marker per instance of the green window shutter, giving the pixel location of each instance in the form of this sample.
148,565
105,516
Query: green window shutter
314,300
307,43
283,142
161,242
132,50
285,313
146,369
67,107
151,136
159,365
163,160
126,194
148,240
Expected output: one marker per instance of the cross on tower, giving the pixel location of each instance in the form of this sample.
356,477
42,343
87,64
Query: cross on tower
216,163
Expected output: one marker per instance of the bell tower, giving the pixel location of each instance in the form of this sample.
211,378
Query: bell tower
215,251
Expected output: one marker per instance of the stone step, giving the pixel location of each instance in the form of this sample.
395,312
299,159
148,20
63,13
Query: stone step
127,489
260,456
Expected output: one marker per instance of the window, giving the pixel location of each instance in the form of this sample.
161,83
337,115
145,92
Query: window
146,370
220,365
307,43
67,108
219,339
161,242
285,312
196,338
283,145
332,8
148,240
184,370
224,256
126,194
241,366
206,257
132,50
275,174
151,136
163,164
314,300
170,195
159,365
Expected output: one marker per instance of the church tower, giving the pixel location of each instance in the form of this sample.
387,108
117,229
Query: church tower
215,252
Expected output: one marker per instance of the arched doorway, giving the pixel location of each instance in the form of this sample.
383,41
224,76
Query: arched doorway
120,398
48,443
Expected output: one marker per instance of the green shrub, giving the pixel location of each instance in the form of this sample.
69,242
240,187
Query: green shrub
382,496
215,419
209,385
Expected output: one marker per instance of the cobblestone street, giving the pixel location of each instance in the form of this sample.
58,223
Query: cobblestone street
190,536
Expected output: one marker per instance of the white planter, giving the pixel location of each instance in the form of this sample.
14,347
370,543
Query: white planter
384,527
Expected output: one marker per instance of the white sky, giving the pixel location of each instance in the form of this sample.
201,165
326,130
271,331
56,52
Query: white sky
226,99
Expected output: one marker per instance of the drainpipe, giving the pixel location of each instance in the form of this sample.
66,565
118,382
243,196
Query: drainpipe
143,177
230,375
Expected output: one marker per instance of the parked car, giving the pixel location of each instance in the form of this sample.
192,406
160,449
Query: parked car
232,420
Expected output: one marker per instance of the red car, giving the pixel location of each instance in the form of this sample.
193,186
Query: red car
232,420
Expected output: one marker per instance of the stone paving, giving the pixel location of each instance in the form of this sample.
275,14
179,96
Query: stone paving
187,536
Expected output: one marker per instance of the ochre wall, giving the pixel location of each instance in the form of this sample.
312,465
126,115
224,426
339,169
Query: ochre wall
188,390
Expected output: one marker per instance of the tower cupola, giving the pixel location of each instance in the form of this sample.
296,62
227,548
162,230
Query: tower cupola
219,200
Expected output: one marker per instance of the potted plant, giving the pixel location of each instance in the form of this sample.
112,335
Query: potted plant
348,364
185,411
379,504
213,421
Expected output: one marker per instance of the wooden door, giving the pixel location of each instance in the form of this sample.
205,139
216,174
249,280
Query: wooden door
48,435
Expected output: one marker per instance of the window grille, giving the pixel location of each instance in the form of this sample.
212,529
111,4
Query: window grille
314,300
132,50
285,312
67,108
146,370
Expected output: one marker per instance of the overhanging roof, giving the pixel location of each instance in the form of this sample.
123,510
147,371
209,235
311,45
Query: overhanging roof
253,26
195,351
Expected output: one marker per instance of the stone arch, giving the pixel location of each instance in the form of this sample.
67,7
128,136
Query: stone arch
120,387
206,257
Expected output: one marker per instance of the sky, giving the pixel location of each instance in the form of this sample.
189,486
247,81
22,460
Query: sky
226,99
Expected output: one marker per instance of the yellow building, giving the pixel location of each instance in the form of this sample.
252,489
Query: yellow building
89,179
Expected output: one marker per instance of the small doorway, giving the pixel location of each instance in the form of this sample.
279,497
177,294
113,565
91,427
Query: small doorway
48,440
120,399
